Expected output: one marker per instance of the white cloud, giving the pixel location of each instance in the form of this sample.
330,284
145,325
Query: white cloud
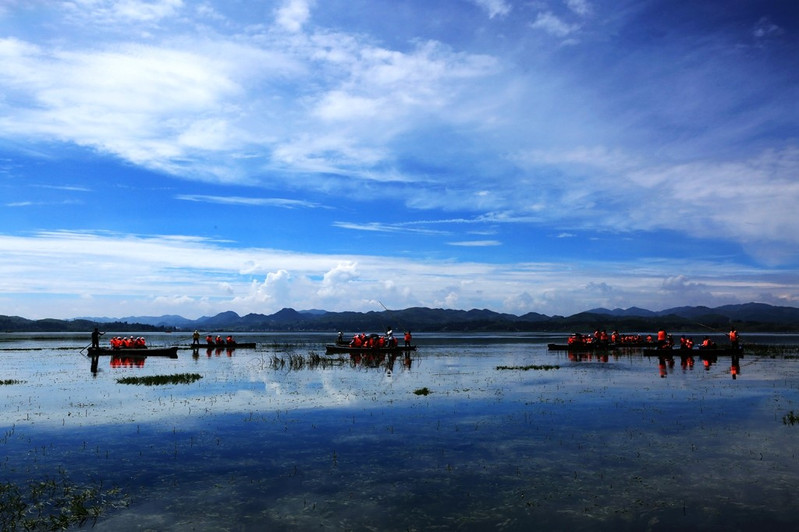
554,25
136,274
238,200
107,12
494,8
337,282
476,243
293,14
580,7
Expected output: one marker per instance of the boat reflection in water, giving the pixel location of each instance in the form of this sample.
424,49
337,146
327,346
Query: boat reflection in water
376,360
211,351
128,361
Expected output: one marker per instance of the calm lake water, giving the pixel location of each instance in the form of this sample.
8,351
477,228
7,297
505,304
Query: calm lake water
268,439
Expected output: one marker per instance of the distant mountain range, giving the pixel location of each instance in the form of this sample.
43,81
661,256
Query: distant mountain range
753,317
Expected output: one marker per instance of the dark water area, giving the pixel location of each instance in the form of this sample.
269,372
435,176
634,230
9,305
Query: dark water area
278,438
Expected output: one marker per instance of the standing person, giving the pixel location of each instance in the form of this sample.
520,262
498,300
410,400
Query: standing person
408,338
96,334
733,338
195,338
662,339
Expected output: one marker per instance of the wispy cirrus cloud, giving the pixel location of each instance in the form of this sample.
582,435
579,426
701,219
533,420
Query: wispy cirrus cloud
377,227
253,201
476,243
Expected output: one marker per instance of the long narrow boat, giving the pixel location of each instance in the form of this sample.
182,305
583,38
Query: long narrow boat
171,352
332,349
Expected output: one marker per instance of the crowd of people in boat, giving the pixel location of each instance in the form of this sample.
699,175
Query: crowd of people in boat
662,340
375,341
121,342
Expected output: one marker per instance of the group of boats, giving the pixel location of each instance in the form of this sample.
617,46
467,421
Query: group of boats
648,346
229,344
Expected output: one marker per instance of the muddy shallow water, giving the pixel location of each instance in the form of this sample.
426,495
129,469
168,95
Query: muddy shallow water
268,439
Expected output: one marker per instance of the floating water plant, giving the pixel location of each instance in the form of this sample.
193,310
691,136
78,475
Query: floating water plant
180,378
422,391
790,418
533,366
11,381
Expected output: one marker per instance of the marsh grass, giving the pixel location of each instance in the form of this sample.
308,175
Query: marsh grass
180,378
311,361
422,391
527,368
10,381
54,504
790,418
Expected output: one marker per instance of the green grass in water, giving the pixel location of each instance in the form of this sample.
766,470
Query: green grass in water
180,378
54,504
526,368
10,381
422,391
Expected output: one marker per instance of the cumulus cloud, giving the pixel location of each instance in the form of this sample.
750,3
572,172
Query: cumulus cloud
293,14
338,281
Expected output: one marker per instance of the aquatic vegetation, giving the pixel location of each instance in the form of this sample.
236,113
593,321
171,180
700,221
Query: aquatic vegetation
180,378
312,361
544,367
422,391
10,381
790,418
54,504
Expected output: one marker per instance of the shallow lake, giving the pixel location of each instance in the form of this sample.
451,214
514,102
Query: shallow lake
511,436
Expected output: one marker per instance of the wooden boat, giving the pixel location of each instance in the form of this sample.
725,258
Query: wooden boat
171,352
331,349
223,345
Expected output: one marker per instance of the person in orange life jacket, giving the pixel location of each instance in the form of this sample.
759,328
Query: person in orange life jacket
662,338
407,338
219,340
229,340
733,338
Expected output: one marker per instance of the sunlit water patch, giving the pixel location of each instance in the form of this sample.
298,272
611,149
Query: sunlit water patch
622,441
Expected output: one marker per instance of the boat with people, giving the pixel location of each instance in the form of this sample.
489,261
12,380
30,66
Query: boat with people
332,349
221,345
372,343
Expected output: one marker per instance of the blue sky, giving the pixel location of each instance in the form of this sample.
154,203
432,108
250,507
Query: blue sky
175,157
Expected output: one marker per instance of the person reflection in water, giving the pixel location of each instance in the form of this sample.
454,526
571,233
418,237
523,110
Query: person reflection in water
735,367
665,361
